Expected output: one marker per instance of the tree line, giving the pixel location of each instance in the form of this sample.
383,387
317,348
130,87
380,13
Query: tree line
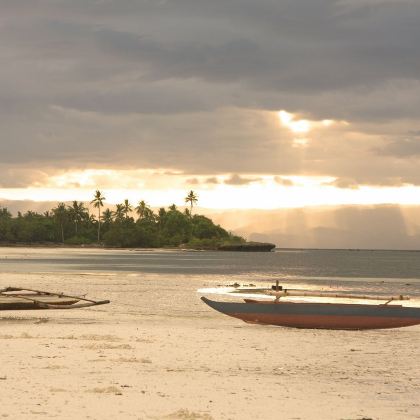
74,225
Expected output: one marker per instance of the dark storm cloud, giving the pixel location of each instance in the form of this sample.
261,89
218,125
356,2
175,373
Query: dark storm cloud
178,83
288,46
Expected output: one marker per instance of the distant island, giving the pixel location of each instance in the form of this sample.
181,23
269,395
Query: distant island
74,225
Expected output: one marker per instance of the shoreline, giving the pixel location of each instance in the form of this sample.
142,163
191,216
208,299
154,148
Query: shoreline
93,246
175,248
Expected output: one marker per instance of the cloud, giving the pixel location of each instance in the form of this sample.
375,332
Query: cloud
284,181
193,86
408,147
20,177
235,179
212,180
343,183
141,141
192,181
202,181
305,45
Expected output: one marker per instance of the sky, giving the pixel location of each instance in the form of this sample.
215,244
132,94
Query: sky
253,104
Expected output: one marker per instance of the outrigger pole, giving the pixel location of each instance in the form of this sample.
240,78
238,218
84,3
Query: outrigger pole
285,293
89,302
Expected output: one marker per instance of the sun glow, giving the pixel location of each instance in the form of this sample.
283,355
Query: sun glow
303,126
165,187
296,126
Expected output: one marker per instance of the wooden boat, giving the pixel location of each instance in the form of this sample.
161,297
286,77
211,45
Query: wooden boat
15,298
338,316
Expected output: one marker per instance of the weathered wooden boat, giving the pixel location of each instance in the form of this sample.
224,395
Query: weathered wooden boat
15,298
321,315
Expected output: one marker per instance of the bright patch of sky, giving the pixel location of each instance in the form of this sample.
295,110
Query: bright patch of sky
221,192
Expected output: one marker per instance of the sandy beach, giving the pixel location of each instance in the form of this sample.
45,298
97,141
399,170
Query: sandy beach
157,352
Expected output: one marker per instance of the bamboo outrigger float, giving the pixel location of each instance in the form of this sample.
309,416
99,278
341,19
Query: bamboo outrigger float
16,298
322,315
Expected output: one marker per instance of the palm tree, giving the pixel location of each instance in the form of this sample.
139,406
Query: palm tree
91,219
60,215
77,213
127,208
5,213
141,209
192,199
107,216
150,215
173,207
30,214
98,202
119,212
161,217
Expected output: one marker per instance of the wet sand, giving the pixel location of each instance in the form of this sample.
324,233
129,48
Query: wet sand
158,352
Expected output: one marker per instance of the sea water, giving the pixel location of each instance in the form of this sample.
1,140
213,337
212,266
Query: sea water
362,271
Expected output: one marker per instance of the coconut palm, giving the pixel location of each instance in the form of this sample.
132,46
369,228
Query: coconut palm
98,202
127,208
107,216
150,215
145,212
4,213
91,219
119,212
30,214
192,199
77,212
141,209
60,215
161,217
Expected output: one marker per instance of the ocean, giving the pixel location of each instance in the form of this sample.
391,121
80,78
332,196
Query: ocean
378,271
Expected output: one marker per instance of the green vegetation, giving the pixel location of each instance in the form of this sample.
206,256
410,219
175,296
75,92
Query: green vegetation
73,225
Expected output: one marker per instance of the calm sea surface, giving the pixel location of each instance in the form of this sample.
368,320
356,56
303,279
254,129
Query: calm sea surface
367,271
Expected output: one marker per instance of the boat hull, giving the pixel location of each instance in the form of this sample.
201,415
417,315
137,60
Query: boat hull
334,316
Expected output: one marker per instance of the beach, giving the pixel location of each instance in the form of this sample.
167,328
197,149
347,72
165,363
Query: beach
157,352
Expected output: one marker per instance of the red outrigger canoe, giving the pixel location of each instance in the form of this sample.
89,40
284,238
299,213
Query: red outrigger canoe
337,316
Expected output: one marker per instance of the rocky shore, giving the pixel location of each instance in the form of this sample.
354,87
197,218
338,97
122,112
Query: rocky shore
248,247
